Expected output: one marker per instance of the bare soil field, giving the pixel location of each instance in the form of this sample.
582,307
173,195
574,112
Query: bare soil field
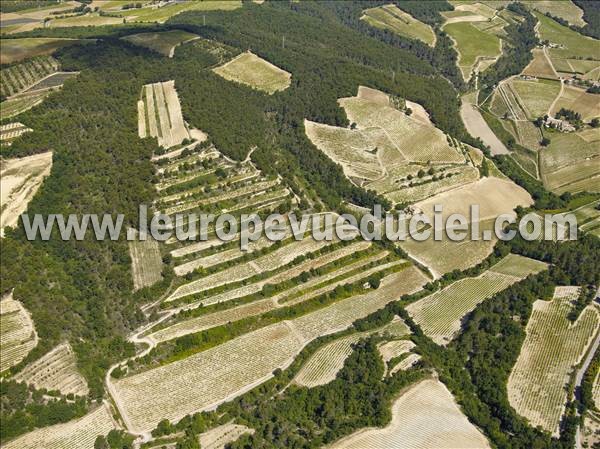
220,436
57,370
424,416
19,181
553,346
477,127
255,72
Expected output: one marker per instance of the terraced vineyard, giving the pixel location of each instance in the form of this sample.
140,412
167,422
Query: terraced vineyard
441,313
401,156
77,434
17,332
425,416
552,348
57,370
245,361
11,131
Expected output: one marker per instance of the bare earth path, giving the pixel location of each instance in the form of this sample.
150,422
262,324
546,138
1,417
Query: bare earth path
477,127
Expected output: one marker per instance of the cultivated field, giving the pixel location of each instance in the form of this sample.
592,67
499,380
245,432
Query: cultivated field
17,333
76,434
225,371
19,180
160,115
578,100
14,50
220,436
163,42
20,104
11,131
424,416
572,45
253,71
440,315
390,17
477,127
20,77
535,97
162,14
552,348
473,45
565,9
403,157
540,66
57,370
146,262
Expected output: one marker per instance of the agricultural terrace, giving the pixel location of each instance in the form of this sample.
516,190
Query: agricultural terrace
76,434
159,115
17,334
552,348
163,42
588,218
220,436
15,106
390,17
323,366
19,180
20,77
14,50
440,314
473,45
245,361
253,71
56,370
573,171
11,131
424,416
146,262
347,265
398,154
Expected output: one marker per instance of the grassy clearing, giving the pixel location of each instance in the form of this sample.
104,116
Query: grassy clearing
535,97
391,18
19,181
14,50
249,69
246,361
426,415
552,347
472,44
17,333
163,42
56,370
440,315
146,262
77,434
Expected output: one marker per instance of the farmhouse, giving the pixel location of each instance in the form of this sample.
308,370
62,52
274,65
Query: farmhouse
560,125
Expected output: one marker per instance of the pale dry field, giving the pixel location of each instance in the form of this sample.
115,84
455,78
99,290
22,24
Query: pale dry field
440,314
251,70
552,348
19,181
578,100
76,434
56,370
540,66
17,332
390,17
224,372
220,436
146,262
424,417
161,117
